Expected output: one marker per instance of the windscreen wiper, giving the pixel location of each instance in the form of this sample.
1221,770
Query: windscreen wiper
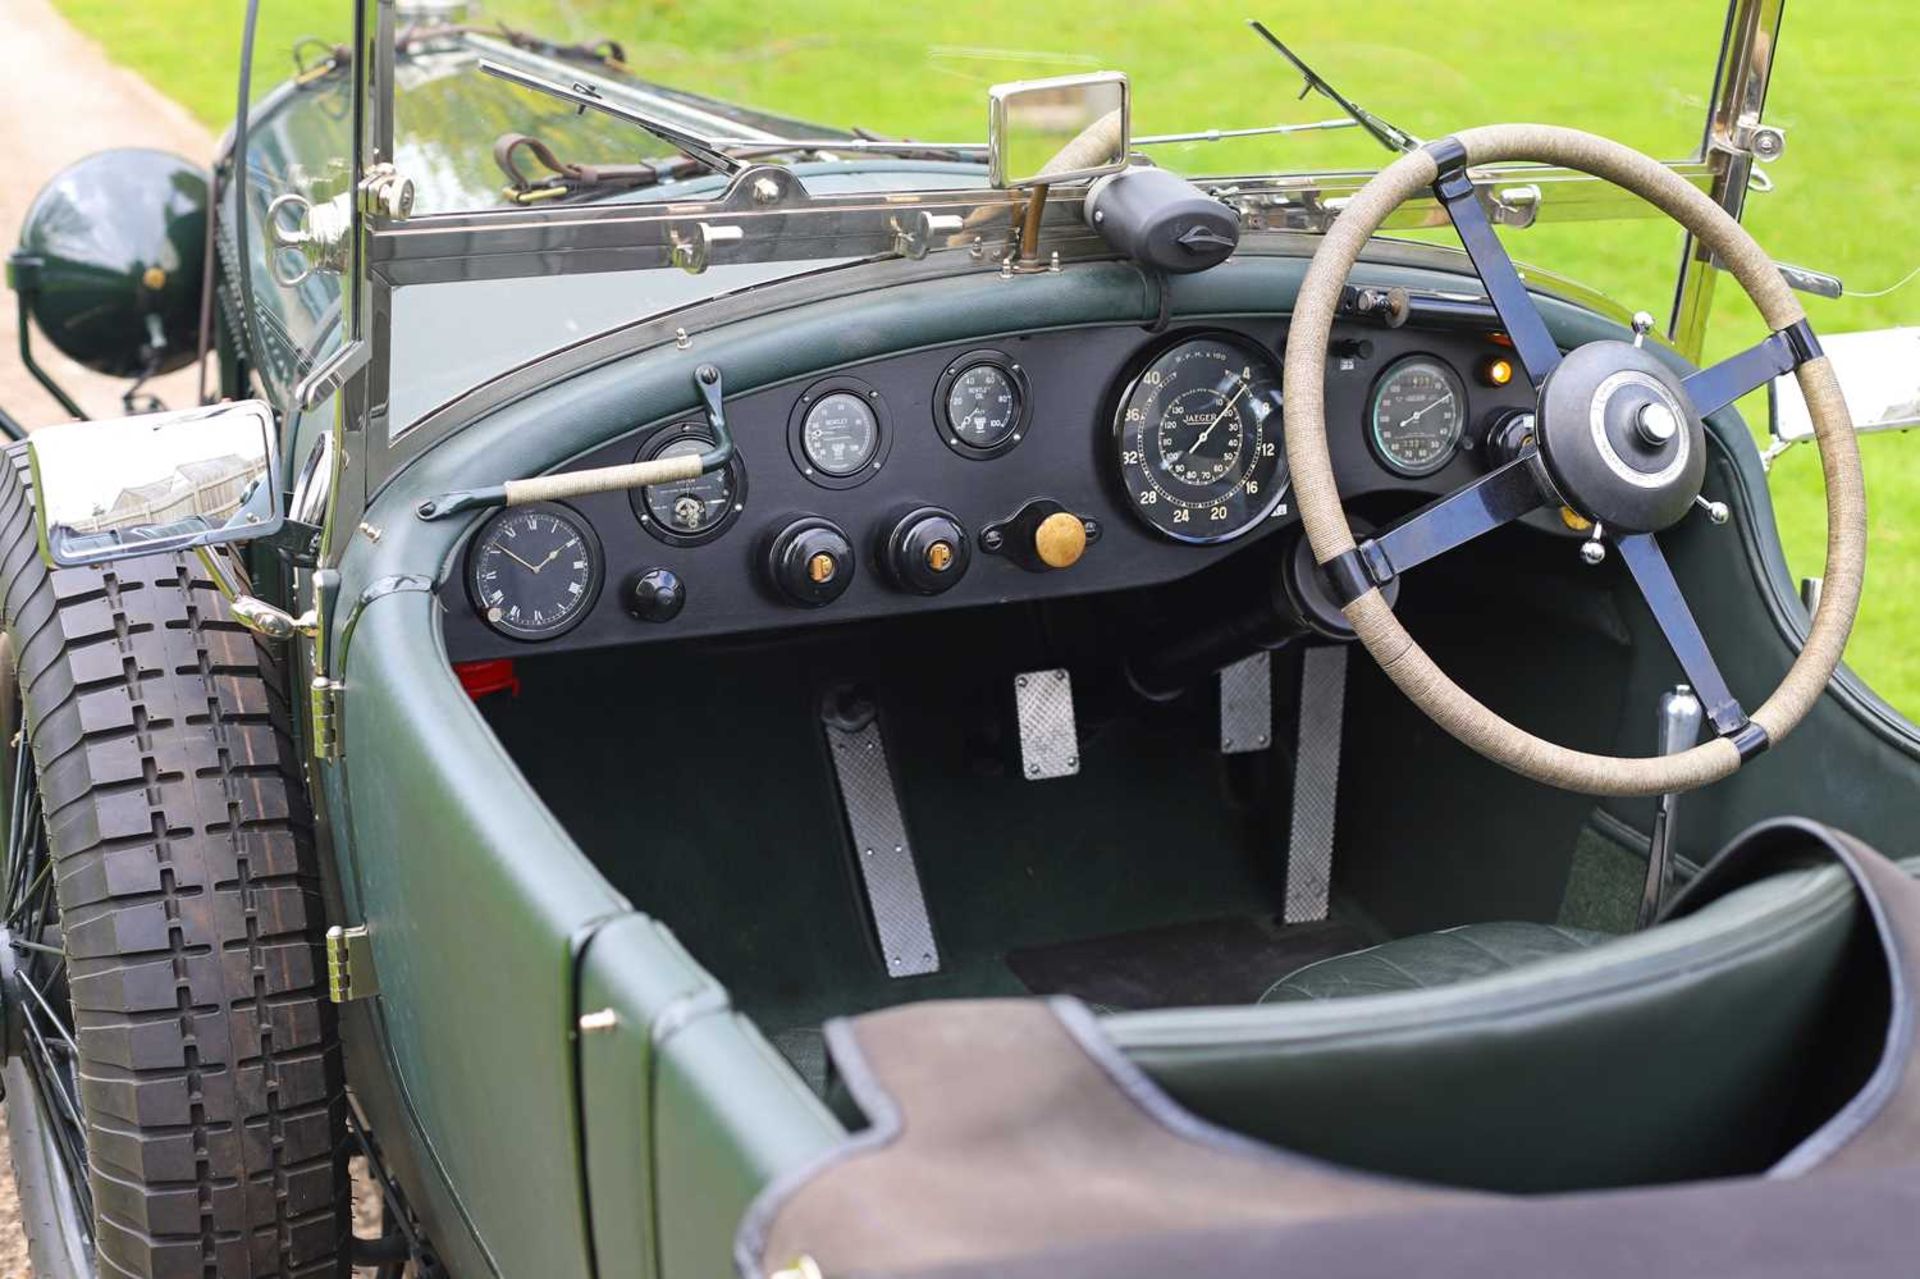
588,98
1390,136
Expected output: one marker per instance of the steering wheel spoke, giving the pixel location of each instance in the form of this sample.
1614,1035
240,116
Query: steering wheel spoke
1532,343
1658,587
1719,385
1498,497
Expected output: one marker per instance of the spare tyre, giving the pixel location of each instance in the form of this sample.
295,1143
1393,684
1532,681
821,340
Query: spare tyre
175,1092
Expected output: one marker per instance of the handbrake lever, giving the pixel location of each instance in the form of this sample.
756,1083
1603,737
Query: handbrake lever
1679,724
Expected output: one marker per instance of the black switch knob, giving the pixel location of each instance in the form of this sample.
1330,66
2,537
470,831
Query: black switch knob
657,595
810,562
927,551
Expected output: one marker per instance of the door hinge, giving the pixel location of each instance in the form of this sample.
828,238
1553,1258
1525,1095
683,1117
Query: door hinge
350,964
324,706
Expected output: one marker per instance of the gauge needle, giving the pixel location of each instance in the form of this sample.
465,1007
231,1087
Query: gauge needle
1200,439
551,556
1408,421
517,560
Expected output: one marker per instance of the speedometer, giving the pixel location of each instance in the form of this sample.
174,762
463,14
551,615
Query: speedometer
1416,416
1198,439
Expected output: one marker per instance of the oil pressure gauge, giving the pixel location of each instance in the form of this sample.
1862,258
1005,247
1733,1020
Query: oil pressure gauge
981,404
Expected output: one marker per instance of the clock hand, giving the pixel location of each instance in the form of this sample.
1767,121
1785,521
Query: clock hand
551,556
517,560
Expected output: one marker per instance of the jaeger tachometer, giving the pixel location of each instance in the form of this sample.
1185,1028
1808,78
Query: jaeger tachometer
1198,438
533,571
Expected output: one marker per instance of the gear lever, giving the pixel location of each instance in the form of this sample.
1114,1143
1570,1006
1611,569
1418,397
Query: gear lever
1680,716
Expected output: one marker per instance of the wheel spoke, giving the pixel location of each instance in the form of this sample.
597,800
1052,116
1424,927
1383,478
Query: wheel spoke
1719,385
1535,346
1662,593
1496,498
26,984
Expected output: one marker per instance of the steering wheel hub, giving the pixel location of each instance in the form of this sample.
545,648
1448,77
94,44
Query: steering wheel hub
1618,439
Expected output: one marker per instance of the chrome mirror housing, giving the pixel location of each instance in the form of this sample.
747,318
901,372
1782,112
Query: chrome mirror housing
1062,129
121,487
1879,373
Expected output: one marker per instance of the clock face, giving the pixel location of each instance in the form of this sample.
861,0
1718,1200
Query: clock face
533,571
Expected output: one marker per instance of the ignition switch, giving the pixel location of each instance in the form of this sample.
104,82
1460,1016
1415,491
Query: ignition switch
810,561
927,551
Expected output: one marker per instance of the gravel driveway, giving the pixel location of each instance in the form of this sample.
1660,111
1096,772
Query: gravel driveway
61,98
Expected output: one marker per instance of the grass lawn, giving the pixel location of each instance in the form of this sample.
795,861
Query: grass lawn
1846,85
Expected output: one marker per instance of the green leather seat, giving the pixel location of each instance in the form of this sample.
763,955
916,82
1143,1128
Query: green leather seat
1527,1059
1432,959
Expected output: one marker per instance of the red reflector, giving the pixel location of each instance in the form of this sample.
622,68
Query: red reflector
492,676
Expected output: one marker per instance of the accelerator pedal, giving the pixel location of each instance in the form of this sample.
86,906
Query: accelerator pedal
850,719
1246,705
1316,782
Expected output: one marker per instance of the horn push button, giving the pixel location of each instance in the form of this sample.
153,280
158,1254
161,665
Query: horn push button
1619,438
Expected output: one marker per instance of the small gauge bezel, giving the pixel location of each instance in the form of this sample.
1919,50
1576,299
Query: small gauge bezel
736,474
1022,404
797,425
596,568
1137,370
1380,451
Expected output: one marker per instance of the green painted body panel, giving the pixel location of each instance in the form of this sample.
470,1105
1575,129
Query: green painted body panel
474,898
690,1110
479,902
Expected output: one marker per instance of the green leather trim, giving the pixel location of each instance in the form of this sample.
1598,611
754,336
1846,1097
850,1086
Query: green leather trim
1431,960
1543,1078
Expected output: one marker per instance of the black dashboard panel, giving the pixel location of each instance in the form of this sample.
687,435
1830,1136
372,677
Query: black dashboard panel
1065,459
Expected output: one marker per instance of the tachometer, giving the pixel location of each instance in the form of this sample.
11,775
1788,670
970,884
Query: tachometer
1418,409
1198,439
533,571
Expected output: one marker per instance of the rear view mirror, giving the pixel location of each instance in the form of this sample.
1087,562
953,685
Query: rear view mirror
1879,373
129,486
1064,129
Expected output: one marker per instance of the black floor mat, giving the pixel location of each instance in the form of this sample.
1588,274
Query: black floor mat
1216,961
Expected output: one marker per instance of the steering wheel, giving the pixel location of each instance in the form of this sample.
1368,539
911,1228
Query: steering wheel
1620,442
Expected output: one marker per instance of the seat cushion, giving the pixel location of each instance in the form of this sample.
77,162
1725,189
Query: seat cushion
1431,959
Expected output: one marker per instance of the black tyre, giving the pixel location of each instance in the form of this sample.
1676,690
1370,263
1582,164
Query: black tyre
175,1090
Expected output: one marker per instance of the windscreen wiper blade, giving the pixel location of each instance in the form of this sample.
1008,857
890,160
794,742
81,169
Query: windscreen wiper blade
1390,136
588,98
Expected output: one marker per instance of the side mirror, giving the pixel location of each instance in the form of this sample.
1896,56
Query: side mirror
1879,373
128,486
1063,129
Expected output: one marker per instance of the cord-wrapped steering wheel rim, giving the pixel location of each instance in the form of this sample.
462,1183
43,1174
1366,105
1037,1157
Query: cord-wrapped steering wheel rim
1318,496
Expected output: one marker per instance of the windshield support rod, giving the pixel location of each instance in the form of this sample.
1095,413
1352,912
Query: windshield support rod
1390,136
588,98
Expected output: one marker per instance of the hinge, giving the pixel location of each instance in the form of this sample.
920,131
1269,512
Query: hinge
350,973
324,706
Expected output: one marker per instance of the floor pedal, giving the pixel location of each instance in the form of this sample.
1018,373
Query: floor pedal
1049,737
864,779
1316,782
1246,705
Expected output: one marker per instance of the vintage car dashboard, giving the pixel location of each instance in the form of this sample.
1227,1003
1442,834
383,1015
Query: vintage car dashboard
1020,468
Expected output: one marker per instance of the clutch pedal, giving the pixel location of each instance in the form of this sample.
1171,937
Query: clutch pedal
888,875
1246,705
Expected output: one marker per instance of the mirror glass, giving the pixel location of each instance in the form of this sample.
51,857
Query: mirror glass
157,482
1879,374
1064,129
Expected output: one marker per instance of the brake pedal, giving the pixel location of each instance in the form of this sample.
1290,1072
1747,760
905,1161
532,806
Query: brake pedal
1246,705
890,879
1049,735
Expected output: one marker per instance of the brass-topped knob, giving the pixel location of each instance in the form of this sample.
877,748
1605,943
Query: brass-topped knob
1060,540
